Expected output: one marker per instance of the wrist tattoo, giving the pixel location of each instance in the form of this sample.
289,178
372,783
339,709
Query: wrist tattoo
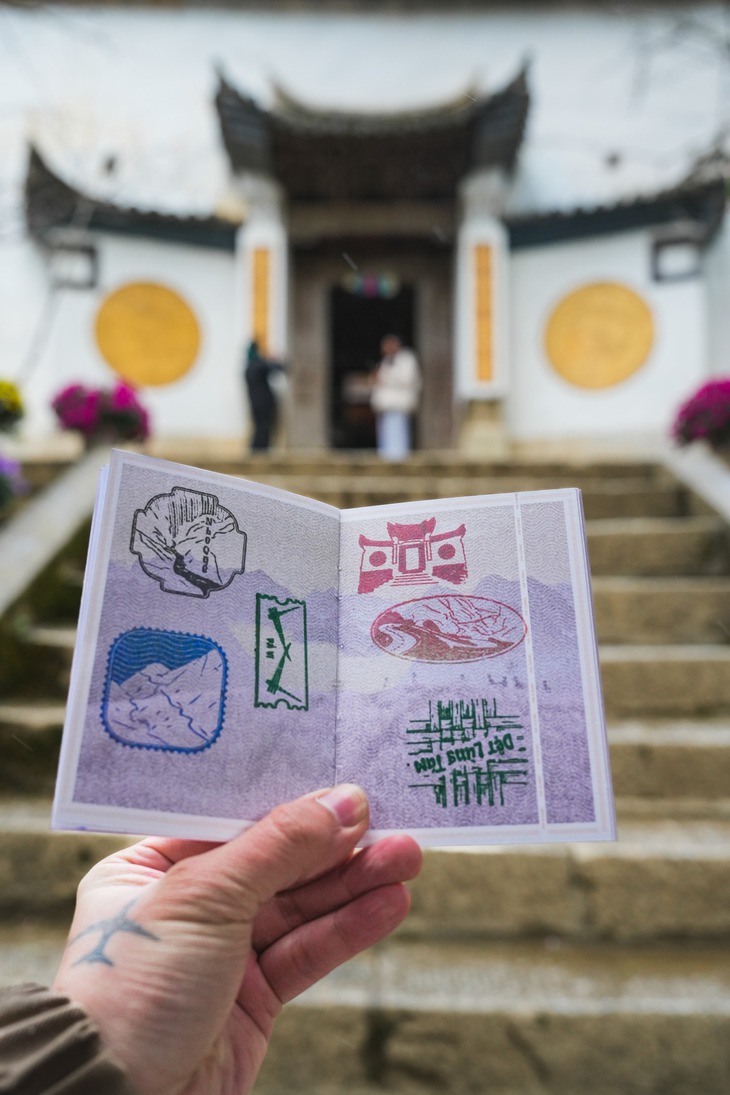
107,929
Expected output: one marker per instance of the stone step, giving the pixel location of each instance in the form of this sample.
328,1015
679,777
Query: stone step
601,499
53,636
40,869
660,880
525,1018
30,950
648,809
628,609
430,464
671,762
659,610
39,473
536,1017
530,1018
43,655
30,739
658,547
674,682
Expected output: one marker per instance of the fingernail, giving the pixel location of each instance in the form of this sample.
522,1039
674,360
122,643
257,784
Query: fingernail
347,802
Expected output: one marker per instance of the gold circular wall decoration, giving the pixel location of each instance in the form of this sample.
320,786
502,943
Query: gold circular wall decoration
599,335
147,333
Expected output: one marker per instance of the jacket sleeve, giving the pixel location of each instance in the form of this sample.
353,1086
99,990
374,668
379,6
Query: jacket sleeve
49,1046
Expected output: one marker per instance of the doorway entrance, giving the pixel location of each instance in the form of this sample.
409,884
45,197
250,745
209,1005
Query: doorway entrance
359,318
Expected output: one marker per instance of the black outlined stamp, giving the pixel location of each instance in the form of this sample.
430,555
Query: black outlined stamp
188,542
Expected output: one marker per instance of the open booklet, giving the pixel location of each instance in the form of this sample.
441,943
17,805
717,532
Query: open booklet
239,646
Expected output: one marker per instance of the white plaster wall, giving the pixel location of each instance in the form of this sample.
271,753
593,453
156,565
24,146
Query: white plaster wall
209,399
138,83
620,105
717,274
541,403
23,282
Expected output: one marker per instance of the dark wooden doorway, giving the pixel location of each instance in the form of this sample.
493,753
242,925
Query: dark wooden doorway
425,321
358,321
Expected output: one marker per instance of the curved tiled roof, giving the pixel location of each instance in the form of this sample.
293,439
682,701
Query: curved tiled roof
342,155
699,203
50,203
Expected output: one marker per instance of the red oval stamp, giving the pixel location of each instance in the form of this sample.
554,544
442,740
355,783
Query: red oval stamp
450,628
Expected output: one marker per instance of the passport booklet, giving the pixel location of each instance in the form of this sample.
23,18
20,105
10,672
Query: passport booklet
239,646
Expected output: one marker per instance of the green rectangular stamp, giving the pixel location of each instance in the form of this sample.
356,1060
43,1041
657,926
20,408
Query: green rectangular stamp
281,653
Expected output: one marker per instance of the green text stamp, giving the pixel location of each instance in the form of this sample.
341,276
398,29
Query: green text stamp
467,752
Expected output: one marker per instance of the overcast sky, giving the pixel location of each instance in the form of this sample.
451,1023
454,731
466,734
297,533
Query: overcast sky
620,103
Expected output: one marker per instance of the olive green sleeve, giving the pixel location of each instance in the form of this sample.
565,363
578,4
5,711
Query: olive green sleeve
49,1046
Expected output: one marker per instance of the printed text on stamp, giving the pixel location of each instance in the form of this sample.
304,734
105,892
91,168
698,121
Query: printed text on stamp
468,752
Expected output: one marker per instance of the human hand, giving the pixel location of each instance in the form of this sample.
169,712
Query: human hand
183,953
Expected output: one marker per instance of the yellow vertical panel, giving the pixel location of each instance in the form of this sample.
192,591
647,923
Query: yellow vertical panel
260,296
484,315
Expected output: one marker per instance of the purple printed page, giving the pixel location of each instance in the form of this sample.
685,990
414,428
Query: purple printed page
204,680
469,691
239,646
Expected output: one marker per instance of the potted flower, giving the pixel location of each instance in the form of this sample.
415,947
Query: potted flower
706,417
102,415
11,482
11,405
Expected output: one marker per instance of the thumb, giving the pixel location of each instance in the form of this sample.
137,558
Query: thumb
295,842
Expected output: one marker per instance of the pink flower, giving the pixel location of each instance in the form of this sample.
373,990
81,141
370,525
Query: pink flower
123,398
117,415
705,416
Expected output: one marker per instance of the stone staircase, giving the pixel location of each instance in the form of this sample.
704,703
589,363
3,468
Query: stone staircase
556,970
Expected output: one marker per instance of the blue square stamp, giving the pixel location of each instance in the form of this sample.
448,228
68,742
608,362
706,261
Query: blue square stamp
164,690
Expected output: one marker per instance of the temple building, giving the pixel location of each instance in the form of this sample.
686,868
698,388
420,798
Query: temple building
342,226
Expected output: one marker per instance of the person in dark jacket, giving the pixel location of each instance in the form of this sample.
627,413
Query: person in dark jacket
261,397
181,953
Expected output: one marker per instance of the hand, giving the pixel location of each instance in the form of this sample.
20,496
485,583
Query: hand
183,953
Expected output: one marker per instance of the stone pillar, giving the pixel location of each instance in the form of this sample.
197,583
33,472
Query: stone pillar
262,275
262,267
482,314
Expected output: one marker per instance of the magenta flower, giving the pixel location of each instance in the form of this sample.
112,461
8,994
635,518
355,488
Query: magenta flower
705,416
123,398
100,414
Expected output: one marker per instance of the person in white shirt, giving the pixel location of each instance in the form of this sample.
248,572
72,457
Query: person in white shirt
394,398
